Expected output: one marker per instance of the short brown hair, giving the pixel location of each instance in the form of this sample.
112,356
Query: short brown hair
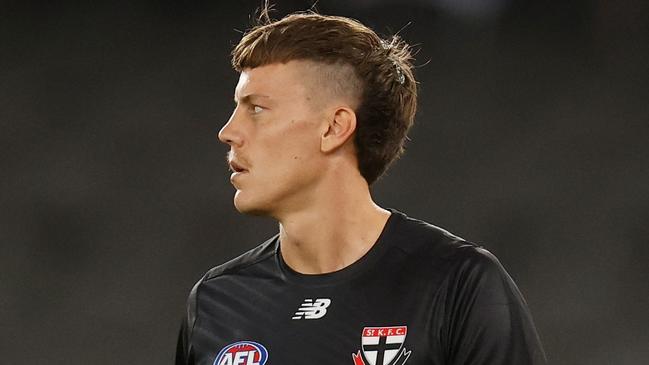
388,95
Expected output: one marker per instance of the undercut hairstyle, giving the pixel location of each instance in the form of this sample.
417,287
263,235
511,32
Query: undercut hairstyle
382,81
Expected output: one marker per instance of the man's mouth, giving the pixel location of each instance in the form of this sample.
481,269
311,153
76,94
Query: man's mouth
236,167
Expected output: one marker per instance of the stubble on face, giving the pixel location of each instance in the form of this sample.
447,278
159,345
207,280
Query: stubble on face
283,146
276,141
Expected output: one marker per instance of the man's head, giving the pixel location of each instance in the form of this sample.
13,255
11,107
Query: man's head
334,65
376,72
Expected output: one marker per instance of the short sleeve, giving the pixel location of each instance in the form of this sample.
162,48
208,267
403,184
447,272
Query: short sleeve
486,319
184,352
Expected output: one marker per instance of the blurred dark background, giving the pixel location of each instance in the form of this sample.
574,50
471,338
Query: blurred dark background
114,197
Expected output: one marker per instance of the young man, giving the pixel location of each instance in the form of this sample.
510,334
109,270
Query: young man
323,106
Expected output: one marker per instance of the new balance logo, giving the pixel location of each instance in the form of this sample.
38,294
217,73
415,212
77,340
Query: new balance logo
313,309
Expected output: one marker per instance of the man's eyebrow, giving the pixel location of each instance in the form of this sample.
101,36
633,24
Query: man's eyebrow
247,99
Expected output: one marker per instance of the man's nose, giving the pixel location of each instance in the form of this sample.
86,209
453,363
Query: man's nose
229,134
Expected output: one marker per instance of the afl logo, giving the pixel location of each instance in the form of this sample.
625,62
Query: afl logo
242,353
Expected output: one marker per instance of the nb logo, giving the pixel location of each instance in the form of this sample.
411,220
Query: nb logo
313,309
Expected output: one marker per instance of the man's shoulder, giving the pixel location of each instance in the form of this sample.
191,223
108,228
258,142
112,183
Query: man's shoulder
249,258
415,234
418,238
433,248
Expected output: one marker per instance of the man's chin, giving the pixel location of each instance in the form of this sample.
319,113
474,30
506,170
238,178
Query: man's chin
247,207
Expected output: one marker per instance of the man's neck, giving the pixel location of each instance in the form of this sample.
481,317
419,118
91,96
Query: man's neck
332,234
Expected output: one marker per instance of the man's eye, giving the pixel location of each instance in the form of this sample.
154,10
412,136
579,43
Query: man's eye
256,109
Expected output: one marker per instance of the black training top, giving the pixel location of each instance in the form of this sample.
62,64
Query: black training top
420,296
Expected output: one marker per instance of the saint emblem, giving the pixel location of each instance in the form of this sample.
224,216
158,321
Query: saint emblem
382,346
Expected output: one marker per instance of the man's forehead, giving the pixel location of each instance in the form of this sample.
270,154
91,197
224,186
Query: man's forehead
310,79
272,78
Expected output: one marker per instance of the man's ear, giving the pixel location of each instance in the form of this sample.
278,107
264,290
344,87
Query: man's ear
339,129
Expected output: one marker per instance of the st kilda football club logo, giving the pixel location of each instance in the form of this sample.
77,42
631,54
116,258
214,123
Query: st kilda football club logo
382,346
242,353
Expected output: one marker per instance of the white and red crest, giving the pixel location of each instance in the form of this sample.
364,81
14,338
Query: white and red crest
382,346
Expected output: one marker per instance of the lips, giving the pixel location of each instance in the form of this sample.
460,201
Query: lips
236,167
238,171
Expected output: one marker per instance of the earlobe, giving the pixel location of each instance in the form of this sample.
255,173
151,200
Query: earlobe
340,128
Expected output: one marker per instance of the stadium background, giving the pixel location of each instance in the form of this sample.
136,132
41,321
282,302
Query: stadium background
531,139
